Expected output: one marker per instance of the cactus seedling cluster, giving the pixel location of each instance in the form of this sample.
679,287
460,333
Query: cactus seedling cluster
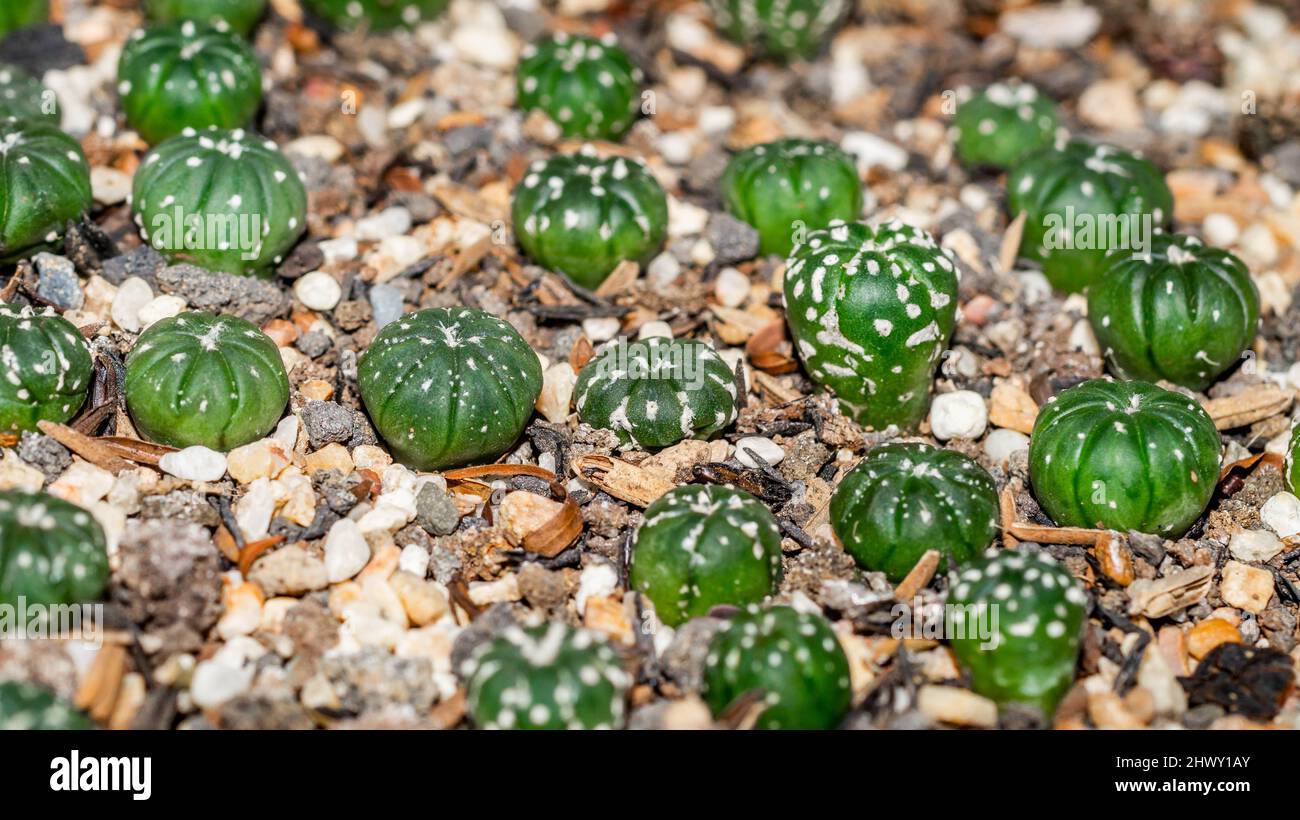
47,368
51,552
904,499
589,87
1003,123
656,392
1014,622
790,187
44,183
23,96
704,545
791,658
174,76
582,215
28,707
198,378
784,29
236,15
448,386
1124,456
1182,311
549,676
377,15
871,310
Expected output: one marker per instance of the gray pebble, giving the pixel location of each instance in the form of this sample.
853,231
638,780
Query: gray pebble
256,300
314,343
732,240
326,422
435,512
385,304
58,283
143,261
45,454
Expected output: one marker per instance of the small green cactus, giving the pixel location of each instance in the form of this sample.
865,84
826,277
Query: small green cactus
793,659
704,545
1292,465
871,310
224,200
44,183
656,392
1003,124
549,676
790,187
239,16
47,368
377,15
26,706
1081,202
1014,621
51,552
904,499
1180,311
199,378
174,76
1124,456
16,14
589,87
783,29
449,386
582,215
23,96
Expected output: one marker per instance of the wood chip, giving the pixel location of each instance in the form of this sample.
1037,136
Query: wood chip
1163,596
560,532
1249,406
91,449
624,481
619,280
774,389
920,575
1009,250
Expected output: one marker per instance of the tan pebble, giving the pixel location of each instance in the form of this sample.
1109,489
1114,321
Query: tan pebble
260,459
273,612
1246,587
607,615
317,389
243,610
368,456
342,595
332,456
1208,634
502,591
282,332
423,601
689,713
1108,711
522,513
959,707
383,561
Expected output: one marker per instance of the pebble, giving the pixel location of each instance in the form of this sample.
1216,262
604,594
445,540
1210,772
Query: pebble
731,239
333,456
83,484
959,414
599,579
675,147
260,459
655,328
731,287
522,513
557,392
422,600
131,297
1002,444
389,222
1281,513
435,512
385,303
254,509
663,270
58,283
318,291
286,432
243,610
1220,229
346,551
1083,338
1246,587
289,570
215,682
196,463
959,707
337,251
1111,104
601,329
1208,634
1051,26
1259,244
1256,545
159,308
317,146
685,219
415,560
326,422
872,151
768,450
1034,287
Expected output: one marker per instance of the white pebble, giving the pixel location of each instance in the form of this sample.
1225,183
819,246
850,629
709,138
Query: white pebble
415,560
959,414
343,249
1082,338
871,151
318,291
1281,514
766,449
393,221
196,463
1259,244
1220,230
731,287
109,185
601,329
655,328
132,296
162,307
1002,444
1254,545
346,550
663,270
215,682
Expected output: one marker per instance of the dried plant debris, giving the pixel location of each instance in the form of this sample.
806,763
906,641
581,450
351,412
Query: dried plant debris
490,289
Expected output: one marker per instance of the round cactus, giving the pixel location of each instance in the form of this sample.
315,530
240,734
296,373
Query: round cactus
784,29
224,200
448,386
47,368
549,676
1014,621
26,706
793,659
1124,456
180,75
16,14
582,215
1082,201
1181,311
236,15
44,183
198,378
871,310
51,552
704,545
1003,123
589,87
904,499
657,392
789,187
23,96
377,15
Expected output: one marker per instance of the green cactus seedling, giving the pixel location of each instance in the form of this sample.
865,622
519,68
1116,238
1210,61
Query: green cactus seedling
23,96
28,707
51,552
47,368
44,183
783,29
239,16
589,87
378,15
1003,123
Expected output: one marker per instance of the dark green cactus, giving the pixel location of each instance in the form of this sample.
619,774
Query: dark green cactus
23,96
904,499
1003,124
199,378
1124,456
1180,311
1082,201
871,310
44,183
224,200
1293,461
589,87
549,676
449,386
51,552
47,368
174,76
582,215
790,187
793,659
16,14
704,545
1014,622
237,15
26,706
784,29
377,15
657,392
